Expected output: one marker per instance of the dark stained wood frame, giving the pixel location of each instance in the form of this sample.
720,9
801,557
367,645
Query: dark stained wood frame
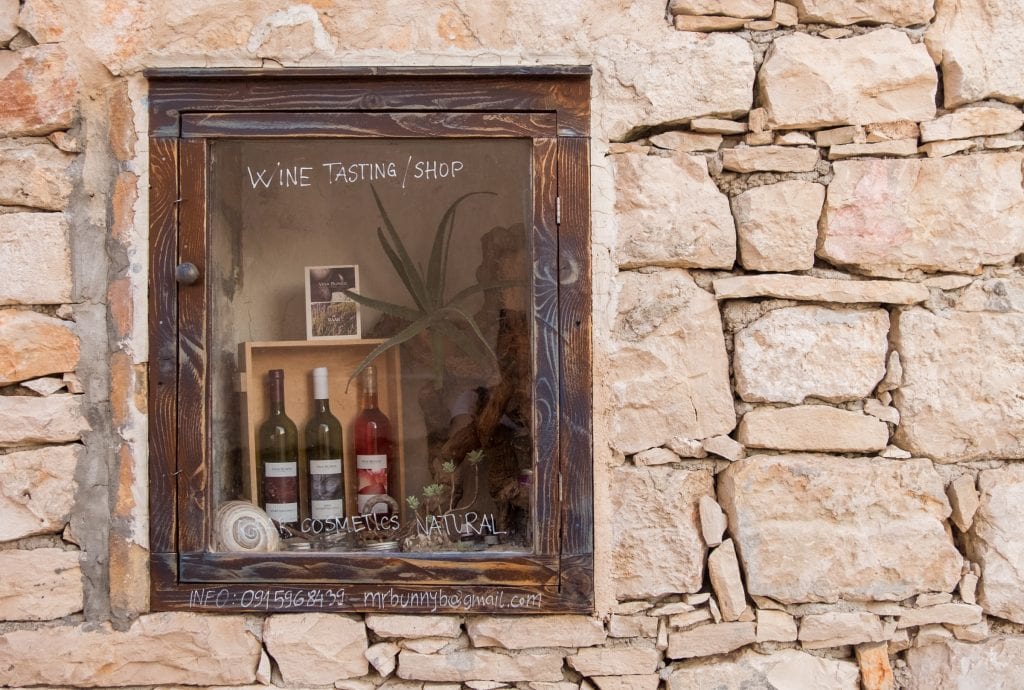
549,105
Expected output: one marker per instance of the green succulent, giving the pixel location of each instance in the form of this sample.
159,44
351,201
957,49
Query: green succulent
432,490
431,309
474,457
412,502
448,467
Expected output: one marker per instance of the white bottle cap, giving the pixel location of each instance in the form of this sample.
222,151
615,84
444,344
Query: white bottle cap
320,384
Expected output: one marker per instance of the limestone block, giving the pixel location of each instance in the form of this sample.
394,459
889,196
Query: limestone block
875,670
994,664
53,419
812,289
724,573
706,640
876,408
383,656
707,24
37,490
996,543
33,345
960,398
995,294
316,648
971,633
891,131
480,664
775,626
810,83
895,147
785,14
730,8
655,456
838,628
977,121
746,159
45,20
783,669
818,528
724,447
37,259
969,588
687,447
670,213
980,50
712,520
717,125
158,649
945,214
399,625
777,225
963,500
794,138
904,13
632,626
687,141
657,547
36,175
682,76
649,681
688,619
812,427
668,370
841,135
938,149
615,661
8,19
39,90
39,585
952,614
524,632
794,353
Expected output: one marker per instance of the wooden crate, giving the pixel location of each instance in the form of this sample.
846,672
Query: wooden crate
298,358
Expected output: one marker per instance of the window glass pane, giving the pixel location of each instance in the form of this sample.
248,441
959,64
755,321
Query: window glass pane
323,252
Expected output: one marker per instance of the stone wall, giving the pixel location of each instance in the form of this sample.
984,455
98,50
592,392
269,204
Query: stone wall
809,334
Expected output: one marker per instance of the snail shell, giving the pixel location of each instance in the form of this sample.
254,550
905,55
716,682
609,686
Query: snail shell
241,526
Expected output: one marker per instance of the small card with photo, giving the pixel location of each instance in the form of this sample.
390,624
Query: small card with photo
330,313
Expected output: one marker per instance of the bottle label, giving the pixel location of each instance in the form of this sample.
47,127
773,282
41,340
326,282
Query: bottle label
372,474
325,466
325,510
281,491
280,469
283,512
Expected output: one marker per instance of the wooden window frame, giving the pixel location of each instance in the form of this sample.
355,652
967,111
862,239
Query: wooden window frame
187,109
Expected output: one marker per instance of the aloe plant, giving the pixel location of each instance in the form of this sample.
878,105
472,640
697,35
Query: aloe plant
431,311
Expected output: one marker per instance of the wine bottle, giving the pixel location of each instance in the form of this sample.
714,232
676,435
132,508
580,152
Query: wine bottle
278,445
323,452
373,447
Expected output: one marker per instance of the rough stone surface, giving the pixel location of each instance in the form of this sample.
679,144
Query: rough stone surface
655,456
706,640
524,632
8,19
972,122
53,419
746,159
684,22
995,542
39,585
717,125
996,295
34,249
896,147
838,628
615,661
316,648
724,447
657,547
875,670
775,626
952,613
632,626
158,649
33,345
963,500
980,50
952,665
729,8
670,213
960,398
37,490
777,225
938,149
808,82
812,289
945,214
35,175
724,573
400,625
686,76
786,669
669,373
812,427
687,141
904,13
480,664
712,520
794,353
817,528
383,656
46,20
39,90
649,681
